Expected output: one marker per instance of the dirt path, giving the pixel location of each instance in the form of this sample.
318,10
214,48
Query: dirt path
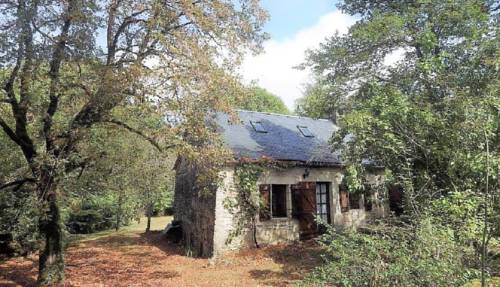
132,258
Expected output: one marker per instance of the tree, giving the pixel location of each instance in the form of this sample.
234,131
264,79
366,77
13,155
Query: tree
260,100
428,113
315,102
69,64
153,181
421,117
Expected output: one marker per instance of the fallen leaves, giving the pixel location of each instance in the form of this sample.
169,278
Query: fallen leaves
138,259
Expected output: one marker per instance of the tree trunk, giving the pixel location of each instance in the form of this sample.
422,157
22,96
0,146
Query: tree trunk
51,261
149,214
254,233
148,226
119,212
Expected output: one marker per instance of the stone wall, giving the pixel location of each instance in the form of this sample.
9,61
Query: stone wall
282,230
208,224
195,211
358,217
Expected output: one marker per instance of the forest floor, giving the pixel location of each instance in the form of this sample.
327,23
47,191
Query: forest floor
131,257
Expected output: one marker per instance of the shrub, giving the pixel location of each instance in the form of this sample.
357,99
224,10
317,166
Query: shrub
422,255
18,222
95,214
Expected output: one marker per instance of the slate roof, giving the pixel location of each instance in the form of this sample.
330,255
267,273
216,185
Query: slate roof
283,140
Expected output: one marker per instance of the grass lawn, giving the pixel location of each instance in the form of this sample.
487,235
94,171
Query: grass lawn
157,224
130,257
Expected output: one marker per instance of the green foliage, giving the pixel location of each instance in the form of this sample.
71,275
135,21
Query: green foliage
94,214
353,180
431,116
163,204
260,100
59,81
428,116
459,211
128,178
18,222
316,102
393,256
246,203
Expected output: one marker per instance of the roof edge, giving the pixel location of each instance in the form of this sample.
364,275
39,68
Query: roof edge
284,115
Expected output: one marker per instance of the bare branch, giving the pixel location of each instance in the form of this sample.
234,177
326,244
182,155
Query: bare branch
55,65
8,130
133,130
86,89
17,183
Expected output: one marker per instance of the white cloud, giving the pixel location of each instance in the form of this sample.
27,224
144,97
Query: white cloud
274,68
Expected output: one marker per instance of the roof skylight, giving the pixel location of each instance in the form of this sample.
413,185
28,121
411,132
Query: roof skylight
305,131
258,126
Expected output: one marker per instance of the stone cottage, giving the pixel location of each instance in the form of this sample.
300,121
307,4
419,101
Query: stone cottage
310,187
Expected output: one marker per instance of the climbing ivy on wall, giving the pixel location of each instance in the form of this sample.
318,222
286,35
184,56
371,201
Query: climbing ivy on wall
247,202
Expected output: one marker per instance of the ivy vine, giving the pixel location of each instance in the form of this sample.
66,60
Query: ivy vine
247,202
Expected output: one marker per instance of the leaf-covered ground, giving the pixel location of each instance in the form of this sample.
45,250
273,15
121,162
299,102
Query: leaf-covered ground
132,258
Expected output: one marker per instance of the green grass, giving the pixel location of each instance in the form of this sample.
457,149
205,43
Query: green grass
157,223
493,282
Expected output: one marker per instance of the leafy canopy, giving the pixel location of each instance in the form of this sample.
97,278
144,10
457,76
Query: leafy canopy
260,100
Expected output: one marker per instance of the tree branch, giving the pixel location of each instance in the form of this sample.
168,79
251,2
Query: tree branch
133,130
55,65
17,183
8,130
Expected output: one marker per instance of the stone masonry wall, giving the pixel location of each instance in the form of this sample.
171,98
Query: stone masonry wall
207,223
283,230
196,212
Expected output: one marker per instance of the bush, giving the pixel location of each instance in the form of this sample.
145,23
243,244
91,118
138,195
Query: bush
459,210
18,222
425,255
94,214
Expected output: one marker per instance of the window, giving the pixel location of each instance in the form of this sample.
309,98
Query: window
258,126
322,201
369,203
369,197
354,199
348,200
278,200
305,131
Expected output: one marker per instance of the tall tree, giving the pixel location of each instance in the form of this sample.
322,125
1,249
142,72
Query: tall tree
316,102
418,85
70,63
261,100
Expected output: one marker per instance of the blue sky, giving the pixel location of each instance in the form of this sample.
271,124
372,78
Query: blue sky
295,26
290,16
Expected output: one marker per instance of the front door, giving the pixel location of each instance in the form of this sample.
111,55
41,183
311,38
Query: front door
304,207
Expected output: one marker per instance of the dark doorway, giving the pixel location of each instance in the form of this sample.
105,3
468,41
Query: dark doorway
396,200
304,208
278,198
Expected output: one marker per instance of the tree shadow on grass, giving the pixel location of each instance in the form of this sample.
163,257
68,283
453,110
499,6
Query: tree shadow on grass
120,259
296,260
116,258
157,239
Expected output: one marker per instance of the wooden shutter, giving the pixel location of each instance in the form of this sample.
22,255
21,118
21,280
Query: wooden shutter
304,207
265,202
344,201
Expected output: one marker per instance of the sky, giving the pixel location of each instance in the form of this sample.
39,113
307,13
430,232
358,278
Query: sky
294,27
